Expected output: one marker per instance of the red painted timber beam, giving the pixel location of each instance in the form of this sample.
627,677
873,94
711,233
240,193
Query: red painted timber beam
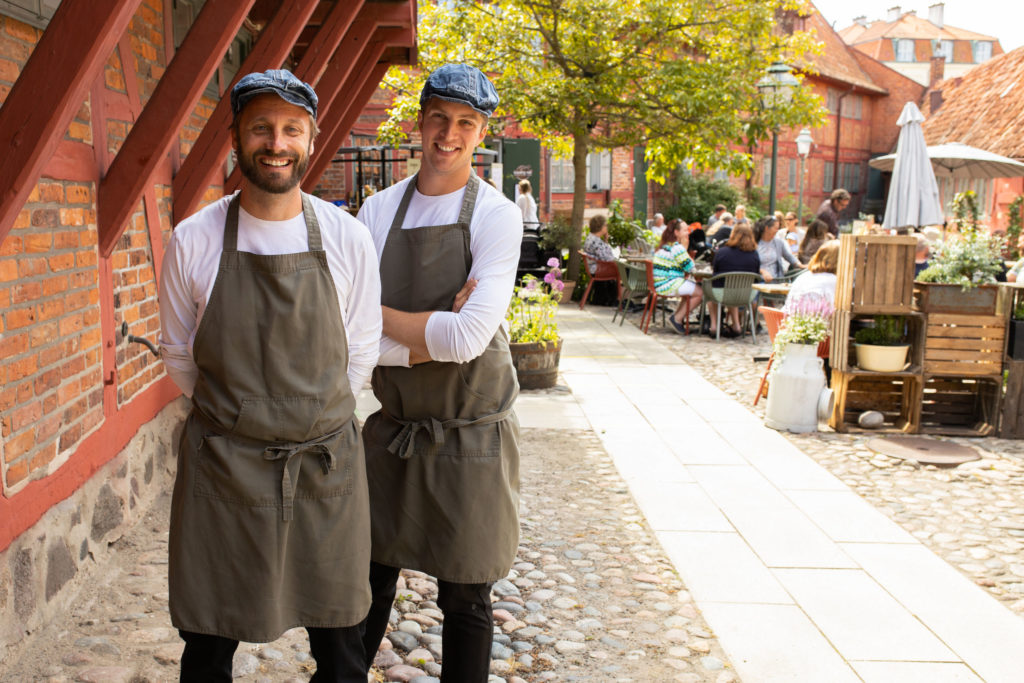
211,148
51,88
156,129
337,24
364,83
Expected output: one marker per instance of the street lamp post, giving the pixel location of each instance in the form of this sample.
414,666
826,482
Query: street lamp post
803,148
775,89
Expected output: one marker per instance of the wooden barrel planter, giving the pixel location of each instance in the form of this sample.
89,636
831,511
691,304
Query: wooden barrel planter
536,363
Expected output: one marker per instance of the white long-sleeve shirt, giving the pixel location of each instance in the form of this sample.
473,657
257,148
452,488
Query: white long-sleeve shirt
190,269
495,238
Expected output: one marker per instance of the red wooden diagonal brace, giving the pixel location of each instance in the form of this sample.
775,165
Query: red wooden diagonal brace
173,101
49,92
211,148
326,41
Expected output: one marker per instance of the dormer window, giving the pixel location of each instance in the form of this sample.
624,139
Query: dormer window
904,49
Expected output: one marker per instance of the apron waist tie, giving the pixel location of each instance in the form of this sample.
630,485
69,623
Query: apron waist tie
404,441
283,450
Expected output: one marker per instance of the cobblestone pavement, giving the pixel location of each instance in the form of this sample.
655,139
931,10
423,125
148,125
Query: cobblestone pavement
971,515
592,597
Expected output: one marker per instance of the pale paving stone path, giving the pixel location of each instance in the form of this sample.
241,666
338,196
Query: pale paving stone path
800,579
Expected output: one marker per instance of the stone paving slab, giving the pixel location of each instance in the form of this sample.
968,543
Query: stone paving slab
798,588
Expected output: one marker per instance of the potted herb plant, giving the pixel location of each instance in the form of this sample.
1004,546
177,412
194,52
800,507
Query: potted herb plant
533,328
882,347
961,277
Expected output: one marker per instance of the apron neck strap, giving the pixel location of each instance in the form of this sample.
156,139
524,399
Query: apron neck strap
313,238
465,213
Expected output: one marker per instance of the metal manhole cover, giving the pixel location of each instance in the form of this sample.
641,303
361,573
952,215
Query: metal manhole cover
924,450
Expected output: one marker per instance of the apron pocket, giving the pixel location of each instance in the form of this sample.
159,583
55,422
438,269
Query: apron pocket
314,483
279,418
237,473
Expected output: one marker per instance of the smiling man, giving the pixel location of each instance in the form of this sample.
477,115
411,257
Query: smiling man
271,322
442,455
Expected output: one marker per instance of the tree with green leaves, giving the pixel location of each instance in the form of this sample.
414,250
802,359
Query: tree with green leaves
676,76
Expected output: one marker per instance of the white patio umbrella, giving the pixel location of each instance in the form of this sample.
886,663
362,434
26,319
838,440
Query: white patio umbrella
957,160
913,194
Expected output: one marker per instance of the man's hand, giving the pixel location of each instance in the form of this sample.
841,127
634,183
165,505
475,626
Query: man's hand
463,295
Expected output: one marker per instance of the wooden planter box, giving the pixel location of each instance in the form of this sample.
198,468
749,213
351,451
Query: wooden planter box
536,363
843,356
960,406
897,397
964,345
875,273
936,298
1011,421
1015,340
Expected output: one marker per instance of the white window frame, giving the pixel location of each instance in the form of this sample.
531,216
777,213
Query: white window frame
828,179
981,47
903,49
599,171
562,175
944,48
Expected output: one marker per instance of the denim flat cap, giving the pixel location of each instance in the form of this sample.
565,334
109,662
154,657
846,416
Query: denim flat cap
463,84
281,82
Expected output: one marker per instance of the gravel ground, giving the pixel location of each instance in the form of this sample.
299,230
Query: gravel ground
971,515
592,597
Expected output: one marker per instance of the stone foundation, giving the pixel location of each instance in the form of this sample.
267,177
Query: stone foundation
46,567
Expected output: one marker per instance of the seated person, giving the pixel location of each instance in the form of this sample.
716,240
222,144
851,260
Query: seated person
921,254
772,249
738,254
820,277
793,234
817,234
720,231
596,245
698,242
672,266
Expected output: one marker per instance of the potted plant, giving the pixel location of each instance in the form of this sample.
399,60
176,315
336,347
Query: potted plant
533,329
557,238
1015,344
882,347
961,277
797,395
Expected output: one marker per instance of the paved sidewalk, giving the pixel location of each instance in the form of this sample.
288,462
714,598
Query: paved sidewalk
799,577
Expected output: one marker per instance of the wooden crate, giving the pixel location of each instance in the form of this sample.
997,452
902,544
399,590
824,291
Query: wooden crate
933,297
875,273
960,406
843,355
1011,420
897,397
964,345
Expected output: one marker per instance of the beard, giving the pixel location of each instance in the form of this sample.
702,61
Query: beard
272,181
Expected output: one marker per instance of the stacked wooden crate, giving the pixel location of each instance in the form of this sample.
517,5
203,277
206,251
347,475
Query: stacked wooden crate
875,277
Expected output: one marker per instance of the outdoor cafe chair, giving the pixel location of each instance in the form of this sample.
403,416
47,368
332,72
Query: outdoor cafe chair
773,318
606,271
652,302
633,277
736,290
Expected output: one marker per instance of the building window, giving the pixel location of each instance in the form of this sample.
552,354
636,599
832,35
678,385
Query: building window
852,106
33,12
851,177
828,182
184,15
792,175
599,170
944,48
561,175
832,100
766,171
982,50
904,49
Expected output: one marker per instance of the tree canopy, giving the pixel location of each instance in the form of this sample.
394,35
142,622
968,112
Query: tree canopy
676,76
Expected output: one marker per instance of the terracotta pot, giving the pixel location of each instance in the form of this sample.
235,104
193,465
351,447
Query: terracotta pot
536,363
570,285
881,358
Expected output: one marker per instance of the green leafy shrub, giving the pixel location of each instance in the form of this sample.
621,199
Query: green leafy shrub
621,230
976,258
696,197
557,234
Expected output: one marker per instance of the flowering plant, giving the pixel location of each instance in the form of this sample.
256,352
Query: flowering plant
808,320
974,259
531,314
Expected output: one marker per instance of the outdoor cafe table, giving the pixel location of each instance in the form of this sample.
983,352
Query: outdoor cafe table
773,291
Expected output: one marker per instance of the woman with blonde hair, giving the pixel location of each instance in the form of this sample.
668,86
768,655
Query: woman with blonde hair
820,277
527,205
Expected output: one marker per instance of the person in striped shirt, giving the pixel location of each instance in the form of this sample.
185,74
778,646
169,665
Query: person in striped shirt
672,268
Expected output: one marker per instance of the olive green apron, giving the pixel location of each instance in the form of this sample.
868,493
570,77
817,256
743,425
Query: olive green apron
442,455
270,513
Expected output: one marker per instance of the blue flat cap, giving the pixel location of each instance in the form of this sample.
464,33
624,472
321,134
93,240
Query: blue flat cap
463,84
281,82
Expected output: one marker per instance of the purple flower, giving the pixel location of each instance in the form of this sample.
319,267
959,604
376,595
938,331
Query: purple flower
557,272
550,278
559,285
552,262
531,284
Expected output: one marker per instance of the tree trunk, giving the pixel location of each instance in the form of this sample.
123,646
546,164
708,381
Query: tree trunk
580,143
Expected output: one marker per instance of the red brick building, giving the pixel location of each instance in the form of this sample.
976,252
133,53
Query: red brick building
114,129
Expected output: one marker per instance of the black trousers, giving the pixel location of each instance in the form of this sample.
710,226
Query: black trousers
338,653
468,624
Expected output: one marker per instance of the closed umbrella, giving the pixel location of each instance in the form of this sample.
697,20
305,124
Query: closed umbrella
957,160
913,193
